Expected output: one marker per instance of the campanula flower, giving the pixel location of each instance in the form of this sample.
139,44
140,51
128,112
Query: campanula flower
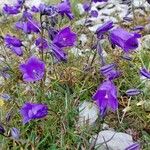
86,6
12,40
41,43
48,10
28,27
58,52
133,92
135,146
14,44
33,69
11,10
127,41
65,38
104,28
95,1
2,130
106,97
94,13
15,133
31,111
64,8
144,72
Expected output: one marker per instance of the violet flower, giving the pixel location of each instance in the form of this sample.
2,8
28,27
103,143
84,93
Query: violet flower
31,111
104,28
106,97
14,44
58,52
33,69
64,8
94,13
95,1
2,130
28,26
12,40
139,28
127,41
65,38
11,10
133,92
15,133
144,72
86,6
135,146
41,43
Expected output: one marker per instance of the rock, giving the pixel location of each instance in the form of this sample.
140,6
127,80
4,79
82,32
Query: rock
88,113
147,28
111,140
145,41
83,39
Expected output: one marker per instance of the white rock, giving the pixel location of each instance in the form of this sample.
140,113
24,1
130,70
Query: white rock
88,113
111,140
145,41
83,39
76,51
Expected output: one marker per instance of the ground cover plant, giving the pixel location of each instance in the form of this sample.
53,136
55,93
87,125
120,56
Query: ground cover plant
47,71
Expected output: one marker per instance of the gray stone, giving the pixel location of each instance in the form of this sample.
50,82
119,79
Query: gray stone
111,140
88,113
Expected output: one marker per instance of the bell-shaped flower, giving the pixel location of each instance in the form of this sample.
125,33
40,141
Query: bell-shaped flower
33,69
65,37
126,40
106,97
31,111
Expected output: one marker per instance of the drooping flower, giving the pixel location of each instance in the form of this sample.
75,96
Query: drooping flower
106,97
12,40
144,72
133,92
65,38
95,1
33,69
58,52
28,26
94,13
135,146
31,111
86,6
11,10
127,41
104,28
15,133
2,130
14,44
64,8
47,10
41,43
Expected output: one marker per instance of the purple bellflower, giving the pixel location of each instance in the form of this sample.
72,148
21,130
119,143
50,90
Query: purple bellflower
94,13
127,41
104,28
106,97
11,10
65,38
33,69
41,43
133,92
58,52
64,8
31,111
110,72
144,72
86,6
28,26
15,133
2,130
135,146
95,1
14,44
